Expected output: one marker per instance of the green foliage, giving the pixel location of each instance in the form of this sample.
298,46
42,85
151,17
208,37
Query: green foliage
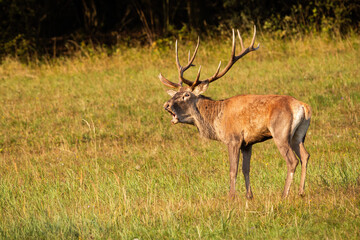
36,28
19,46
328,17
87,152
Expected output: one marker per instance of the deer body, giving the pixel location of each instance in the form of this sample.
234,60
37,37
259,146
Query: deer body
245,116
242,121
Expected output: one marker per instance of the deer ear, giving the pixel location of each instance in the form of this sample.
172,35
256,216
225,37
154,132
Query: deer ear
201,88
171,92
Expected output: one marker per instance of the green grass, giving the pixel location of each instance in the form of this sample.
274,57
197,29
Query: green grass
87,152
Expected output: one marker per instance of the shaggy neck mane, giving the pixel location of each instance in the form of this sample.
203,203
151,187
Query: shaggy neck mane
208,112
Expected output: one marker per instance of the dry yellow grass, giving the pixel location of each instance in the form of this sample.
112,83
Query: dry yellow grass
86,150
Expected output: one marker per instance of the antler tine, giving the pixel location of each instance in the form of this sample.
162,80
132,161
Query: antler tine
216,73
218,69
177,55
194,55
168,83
253,41
196,80
179,67
241,41
233,44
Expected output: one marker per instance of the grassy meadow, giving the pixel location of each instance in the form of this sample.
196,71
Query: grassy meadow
87,151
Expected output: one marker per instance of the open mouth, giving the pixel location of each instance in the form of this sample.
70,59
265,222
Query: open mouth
174,119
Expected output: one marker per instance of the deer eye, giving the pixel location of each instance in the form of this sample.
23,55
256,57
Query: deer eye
186,95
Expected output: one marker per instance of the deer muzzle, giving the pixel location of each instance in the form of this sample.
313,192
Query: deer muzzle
168,108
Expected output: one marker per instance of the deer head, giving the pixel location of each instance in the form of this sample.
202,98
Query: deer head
182,105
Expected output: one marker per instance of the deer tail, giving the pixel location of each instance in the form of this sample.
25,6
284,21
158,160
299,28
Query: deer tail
307,110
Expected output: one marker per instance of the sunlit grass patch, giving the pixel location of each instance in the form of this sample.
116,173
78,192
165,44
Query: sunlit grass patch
86,150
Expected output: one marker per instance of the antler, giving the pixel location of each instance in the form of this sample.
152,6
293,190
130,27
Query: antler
181,69
234,58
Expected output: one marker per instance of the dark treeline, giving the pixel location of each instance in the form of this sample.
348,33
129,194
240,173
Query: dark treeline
40,26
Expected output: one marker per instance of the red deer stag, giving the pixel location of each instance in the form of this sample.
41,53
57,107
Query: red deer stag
243,120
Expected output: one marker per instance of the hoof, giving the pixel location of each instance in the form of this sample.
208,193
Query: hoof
249,195
302,194
232,195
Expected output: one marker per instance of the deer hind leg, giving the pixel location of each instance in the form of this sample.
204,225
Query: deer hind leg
281,134
246,155
291,161
297,144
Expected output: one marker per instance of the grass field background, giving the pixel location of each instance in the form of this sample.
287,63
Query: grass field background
87,151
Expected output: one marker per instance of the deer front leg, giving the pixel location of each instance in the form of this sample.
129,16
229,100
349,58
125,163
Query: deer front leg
234,153
246,154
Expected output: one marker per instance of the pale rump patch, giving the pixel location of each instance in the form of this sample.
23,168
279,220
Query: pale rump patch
301,123
298,117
